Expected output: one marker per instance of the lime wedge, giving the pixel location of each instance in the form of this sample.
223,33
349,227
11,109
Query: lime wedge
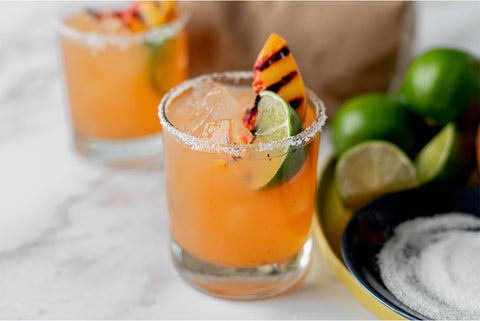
372,169
153,62
276,120
443,157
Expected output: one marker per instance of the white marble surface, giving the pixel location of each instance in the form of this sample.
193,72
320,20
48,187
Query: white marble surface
80,241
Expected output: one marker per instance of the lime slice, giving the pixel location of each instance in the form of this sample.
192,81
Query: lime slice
277,120
372,169
443,157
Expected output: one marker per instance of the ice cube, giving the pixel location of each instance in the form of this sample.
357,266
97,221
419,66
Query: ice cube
82,22
222,104
240,134
112,25
208,101
93,21
187,111
219,131
226,131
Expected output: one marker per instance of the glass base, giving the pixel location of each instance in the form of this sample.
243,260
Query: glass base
122,153
242,283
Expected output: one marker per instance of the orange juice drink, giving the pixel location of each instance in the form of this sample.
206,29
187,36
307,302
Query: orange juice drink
118,65
240,205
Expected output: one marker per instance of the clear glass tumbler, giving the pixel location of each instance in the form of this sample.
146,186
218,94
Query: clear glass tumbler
230,236
114,84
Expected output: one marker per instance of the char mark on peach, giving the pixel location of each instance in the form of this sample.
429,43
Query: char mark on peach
92,12
271,59
295,103
284,81
250,119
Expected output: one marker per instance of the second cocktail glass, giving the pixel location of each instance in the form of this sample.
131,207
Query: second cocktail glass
235,232
115,83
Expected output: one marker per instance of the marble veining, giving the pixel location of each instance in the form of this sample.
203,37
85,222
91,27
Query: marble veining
107,253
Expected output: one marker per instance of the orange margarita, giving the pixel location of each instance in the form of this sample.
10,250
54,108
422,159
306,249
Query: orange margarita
220,213
235,205
118,65
241,152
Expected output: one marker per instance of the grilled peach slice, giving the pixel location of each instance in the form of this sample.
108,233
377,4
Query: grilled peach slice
156,13
276,70
143,15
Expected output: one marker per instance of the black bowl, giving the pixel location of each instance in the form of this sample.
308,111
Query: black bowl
373,225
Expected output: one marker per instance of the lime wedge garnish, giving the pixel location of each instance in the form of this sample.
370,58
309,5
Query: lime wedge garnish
153,62
276,120
372,169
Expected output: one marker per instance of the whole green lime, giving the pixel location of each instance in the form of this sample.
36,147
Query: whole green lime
371,116
441,84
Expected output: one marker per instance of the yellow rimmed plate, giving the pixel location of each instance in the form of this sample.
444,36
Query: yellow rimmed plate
329,223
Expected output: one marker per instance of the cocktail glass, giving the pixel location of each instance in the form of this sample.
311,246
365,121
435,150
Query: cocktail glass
114,84
230,236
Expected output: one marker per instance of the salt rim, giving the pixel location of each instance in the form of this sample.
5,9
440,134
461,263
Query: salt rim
165,31
201,144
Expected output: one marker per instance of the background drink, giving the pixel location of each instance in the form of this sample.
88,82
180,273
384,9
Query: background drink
218,214
116,81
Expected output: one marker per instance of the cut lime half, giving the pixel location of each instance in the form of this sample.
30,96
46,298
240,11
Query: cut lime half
373,169
276,120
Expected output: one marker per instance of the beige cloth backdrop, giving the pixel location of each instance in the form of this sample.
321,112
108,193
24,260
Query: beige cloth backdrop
342,48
